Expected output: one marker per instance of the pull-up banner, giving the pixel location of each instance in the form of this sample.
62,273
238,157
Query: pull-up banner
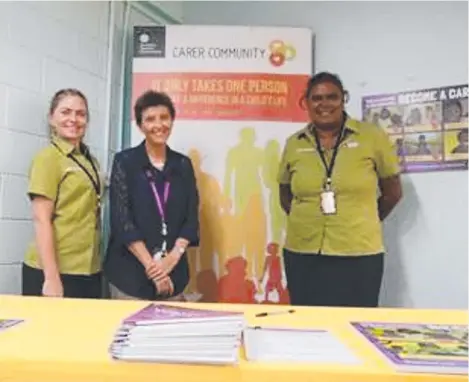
237,94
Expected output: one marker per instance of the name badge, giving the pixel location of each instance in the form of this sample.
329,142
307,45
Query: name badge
328,205
352,144
158,255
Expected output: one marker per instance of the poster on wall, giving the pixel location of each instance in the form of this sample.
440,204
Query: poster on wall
236,90
429,126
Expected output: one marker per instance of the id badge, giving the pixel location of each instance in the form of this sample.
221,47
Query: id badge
158,255
328,205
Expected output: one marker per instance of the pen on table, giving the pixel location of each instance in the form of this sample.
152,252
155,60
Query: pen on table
265,314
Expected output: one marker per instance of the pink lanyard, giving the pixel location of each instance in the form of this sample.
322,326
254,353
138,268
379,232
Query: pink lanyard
161,203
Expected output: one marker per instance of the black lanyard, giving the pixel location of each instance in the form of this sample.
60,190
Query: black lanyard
329,168
95,182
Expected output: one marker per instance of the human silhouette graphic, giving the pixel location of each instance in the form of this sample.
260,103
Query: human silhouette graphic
229,239
207,286
234,287
210,202
273,272
272,155
243,179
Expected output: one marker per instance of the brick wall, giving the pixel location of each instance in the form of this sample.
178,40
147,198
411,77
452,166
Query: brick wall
46,46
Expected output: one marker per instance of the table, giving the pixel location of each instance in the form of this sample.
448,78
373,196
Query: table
66,340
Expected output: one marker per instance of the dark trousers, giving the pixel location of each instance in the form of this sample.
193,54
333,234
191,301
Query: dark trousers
75,286
318,280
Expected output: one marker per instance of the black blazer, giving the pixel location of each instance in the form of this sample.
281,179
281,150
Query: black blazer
134,216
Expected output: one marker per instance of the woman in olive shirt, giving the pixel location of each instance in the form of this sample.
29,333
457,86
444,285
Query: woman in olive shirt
329,176
65,189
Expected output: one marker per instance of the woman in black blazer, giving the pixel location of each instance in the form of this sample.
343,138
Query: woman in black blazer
154,210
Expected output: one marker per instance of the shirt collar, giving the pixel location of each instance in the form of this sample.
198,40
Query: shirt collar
349,125
67,148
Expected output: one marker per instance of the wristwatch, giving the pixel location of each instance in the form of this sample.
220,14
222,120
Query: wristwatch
180,249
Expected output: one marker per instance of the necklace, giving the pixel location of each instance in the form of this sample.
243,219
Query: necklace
159,164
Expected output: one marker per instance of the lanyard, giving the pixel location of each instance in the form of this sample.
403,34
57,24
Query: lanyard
329,168
161,202
94,181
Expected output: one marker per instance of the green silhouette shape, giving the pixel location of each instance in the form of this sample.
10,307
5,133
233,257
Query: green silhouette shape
244,164
272,156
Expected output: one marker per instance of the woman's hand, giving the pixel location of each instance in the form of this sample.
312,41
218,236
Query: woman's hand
154,270
164,286
158,270
170,261
53,287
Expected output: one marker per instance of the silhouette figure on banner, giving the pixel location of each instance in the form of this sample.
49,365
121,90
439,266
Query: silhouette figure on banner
272,155
231,263
235,287
207,286
242,178
273,273
219,232
210,196
230,244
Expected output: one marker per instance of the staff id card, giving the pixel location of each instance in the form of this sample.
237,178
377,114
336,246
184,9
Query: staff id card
328,205
328,202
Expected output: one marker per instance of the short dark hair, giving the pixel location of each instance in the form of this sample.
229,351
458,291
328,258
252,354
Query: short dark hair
150,99
321,78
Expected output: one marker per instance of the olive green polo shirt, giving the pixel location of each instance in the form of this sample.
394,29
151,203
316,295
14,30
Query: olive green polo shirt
77,234
365,155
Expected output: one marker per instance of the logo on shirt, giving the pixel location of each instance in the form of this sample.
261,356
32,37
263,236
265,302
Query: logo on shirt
351,144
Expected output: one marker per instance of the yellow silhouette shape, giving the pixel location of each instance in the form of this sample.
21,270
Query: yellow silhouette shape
210,197
230,241
242,175
272,155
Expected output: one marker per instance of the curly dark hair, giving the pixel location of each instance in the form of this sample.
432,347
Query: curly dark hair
150,99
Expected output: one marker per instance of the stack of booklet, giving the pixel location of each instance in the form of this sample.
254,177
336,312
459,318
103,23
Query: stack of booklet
175,334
